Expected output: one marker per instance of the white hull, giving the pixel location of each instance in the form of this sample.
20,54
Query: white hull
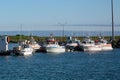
89,48
72,44
107,47
104,44
35,46
26,51
99,47
55,49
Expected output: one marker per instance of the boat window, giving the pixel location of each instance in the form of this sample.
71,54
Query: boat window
84,42
70,42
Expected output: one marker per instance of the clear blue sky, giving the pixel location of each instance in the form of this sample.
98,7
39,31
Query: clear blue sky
42,14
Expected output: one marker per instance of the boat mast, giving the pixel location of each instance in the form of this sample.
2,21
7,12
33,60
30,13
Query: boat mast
113,37
63,30
20,33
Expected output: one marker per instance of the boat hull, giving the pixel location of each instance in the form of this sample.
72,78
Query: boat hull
92,48
107,47
26,51
55,50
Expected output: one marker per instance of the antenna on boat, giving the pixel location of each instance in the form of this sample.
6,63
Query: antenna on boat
113,37
51,34
20,33
63,30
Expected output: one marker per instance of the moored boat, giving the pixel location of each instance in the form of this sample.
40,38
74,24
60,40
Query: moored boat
23,49
72,43
34,44
104,44
52,46
89,45
55,49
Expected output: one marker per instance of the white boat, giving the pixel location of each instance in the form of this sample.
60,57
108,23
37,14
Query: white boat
104,44
34,44
26,50
89,45
72,43
55,48
92,48
52,46
23,49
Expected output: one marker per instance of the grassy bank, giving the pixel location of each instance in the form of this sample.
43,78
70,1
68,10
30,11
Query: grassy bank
16,38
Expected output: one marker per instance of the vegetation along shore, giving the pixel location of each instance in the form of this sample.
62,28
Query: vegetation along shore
16,38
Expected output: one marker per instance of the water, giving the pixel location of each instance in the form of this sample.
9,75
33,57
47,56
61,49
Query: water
59,33
67,66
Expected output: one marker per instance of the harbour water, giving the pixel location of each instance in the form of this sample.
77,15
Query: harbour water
104,65
59,33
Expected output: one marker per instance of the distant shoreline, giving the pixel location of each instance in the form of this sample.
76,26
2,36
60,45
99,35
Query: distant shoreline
60,33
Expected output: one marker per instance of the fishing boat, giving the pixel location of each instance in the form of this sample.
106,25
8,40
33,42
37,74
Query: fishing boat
89,45
34,44
72,43
52,46
23,49
104,44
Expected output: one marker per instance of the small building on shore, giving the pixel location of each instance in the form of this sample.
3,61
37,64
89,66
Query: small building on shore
4,45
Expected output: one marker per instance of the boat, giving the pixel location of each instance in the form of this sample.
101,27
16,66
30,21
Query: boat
52,46
104,44
72,43
23,49
33,43
89,45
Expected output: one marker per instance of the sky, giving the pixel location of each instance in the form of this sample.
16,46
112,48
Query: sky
54,14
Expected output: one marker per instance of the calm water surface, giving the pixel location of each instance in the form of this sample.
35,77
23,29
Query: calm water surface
59,33
66,66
